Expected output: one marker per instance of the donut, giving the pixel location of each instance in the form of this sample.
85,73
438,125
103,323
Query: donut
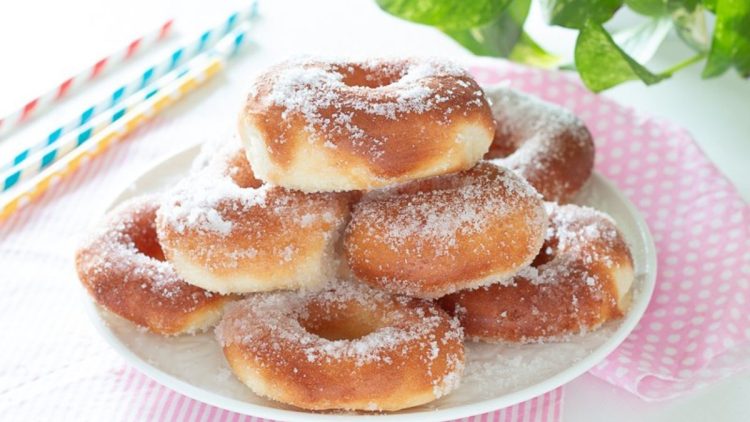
546,144
122,266
228,232
327,125
435,236
346,347
580,280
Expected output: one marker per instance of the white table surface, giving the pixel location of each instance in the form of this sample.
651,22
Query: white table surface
43,42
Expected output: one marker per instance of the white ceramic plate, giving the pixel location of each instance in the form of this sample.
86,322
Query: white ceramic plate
496,376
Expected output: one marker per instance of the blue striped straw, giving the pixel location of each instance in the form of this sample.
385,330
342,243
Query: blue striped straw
168,64
48,154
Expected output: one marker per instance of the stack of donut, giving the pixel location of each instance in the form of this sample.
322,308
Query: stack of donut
373,216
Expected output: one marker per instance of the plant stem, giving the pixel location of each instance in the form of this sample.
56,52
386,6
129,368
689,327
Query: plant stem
679,66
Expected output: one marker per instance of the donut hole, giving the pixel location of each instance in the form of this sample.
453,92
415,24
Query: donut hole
241,173
502,145
147,242
356,76
547,253
333,323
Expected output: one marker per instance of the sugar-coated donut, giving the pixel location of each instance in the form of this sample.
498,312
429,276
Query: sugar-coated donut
435,236
326,125
122,266
228,232
546,144
346,347
580,279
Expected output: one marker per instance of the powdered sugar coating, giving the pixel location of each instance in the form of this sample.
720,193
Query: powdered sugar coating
282,311
308,87
434,236
441,210
578,233
579,280
227,231
196,202
407,345
122,266
544,143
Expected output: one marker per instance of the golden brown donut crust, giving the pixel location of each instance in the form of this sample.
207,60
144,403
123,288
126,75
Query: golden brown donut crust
546,144
122,267
435,236
350,348
579,280
374,128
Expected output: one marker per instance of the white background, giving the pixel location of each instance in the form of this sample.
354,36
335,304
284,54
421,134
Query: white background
42,42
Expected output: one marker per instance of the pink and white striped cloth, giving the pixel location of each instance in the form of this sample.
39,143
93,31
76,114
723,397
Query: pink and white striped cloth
121,393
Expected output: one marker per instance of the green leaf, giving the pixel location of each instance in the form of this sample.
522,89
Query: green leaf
602,64
446,14
730,46
497,38
504,37
527,51
688,5
575,13
648,7
710,5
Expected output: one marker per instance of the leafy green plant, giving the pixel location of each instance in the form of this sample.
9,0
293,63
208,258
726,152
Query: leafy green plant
495,28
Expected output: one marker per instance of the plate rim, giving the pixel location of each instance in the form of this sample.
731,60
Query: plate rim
581,366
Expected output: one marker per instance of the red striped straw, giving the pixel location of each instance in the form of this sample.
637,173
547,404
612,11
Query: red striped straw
35,106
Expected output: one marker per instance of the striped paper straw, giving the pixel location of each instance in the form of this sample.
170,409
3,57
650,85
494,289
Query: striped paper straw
46,155
35,106
199,70
174,59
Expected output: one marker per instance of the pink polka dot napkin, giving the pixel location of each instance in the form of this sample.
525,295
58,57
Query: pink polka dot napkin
697,327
